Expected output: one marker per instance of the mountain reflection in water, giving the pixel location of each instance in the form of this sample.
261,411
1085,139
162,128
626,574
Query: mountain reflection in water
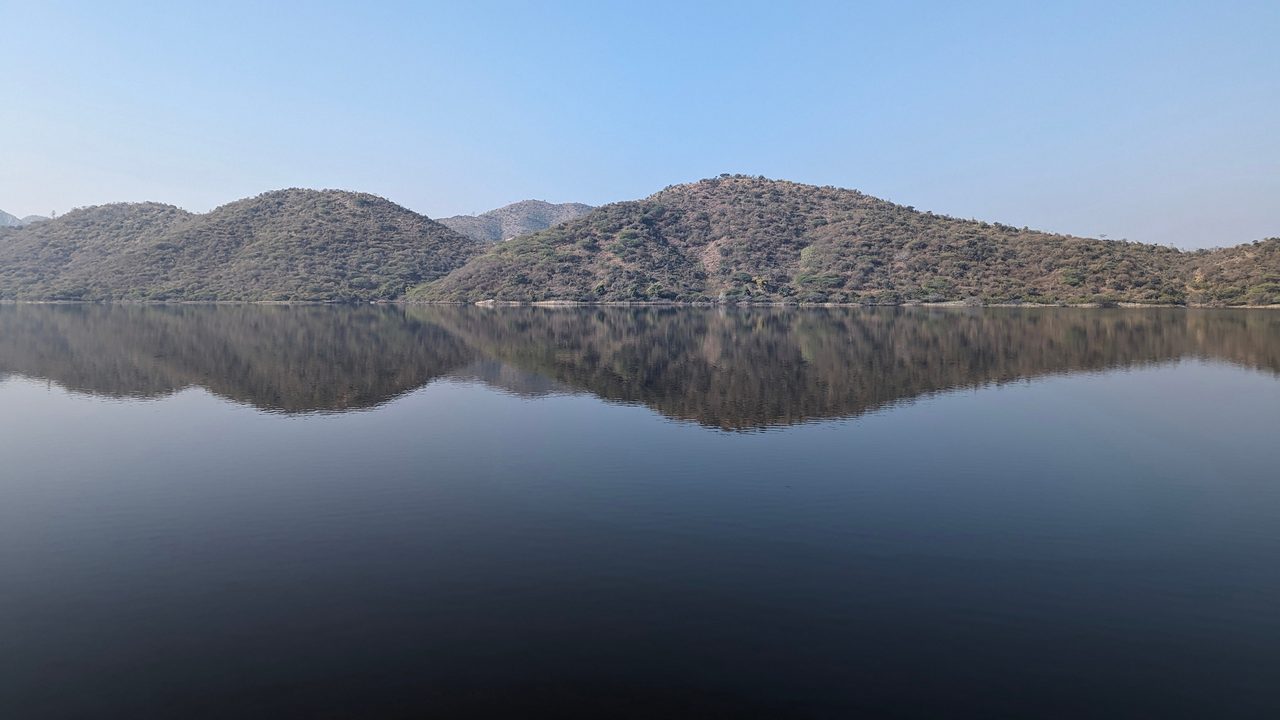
729,368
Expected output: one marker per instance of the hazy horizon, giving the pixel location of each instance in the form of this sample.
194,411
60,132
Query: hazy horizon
1149,122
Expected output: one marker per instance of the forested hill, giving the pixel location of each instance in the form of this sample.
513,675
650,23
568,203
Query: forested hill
303,245
729,239
738,238
515,219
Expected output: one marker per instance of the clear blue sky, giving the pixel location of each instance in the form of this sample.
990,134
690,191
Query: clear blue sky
1155,121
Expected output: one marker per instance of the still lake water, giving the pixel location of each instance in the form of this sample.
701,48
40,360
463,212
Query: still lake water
244,512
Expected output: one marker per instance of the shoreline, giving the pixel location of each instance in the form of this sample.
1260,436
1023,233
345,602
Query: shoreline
647,303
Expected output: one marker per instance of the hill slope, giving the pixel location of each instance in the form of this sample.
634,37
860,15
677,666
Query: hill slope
283,245
1241,275
515,219
729,239
737,238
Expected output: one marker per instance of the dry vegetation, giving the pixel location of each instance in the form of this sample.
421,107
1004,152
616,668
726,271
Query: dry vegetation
736,238
286,245
731,239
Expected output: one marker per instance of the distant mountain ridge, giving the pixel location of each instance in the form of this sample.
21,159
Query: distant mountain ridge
516,219
286,245
7,220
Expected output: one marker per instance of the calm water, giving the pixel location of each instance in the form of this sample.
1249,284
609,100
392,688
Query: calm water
246,512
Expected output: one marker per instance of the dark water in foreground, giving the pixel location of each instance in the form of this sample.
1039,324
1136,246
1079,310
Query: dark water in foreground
274,512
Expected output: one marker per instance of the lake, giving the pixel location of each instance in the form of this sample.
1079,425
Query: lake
438,511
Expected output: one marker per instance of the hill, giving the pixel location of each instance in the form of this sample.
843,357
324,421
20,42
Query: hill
13,221
515,219
738,238
324,245
730,239
1240,275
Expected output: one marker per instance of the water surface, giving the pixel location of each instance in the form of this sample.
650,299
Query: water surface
456,511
